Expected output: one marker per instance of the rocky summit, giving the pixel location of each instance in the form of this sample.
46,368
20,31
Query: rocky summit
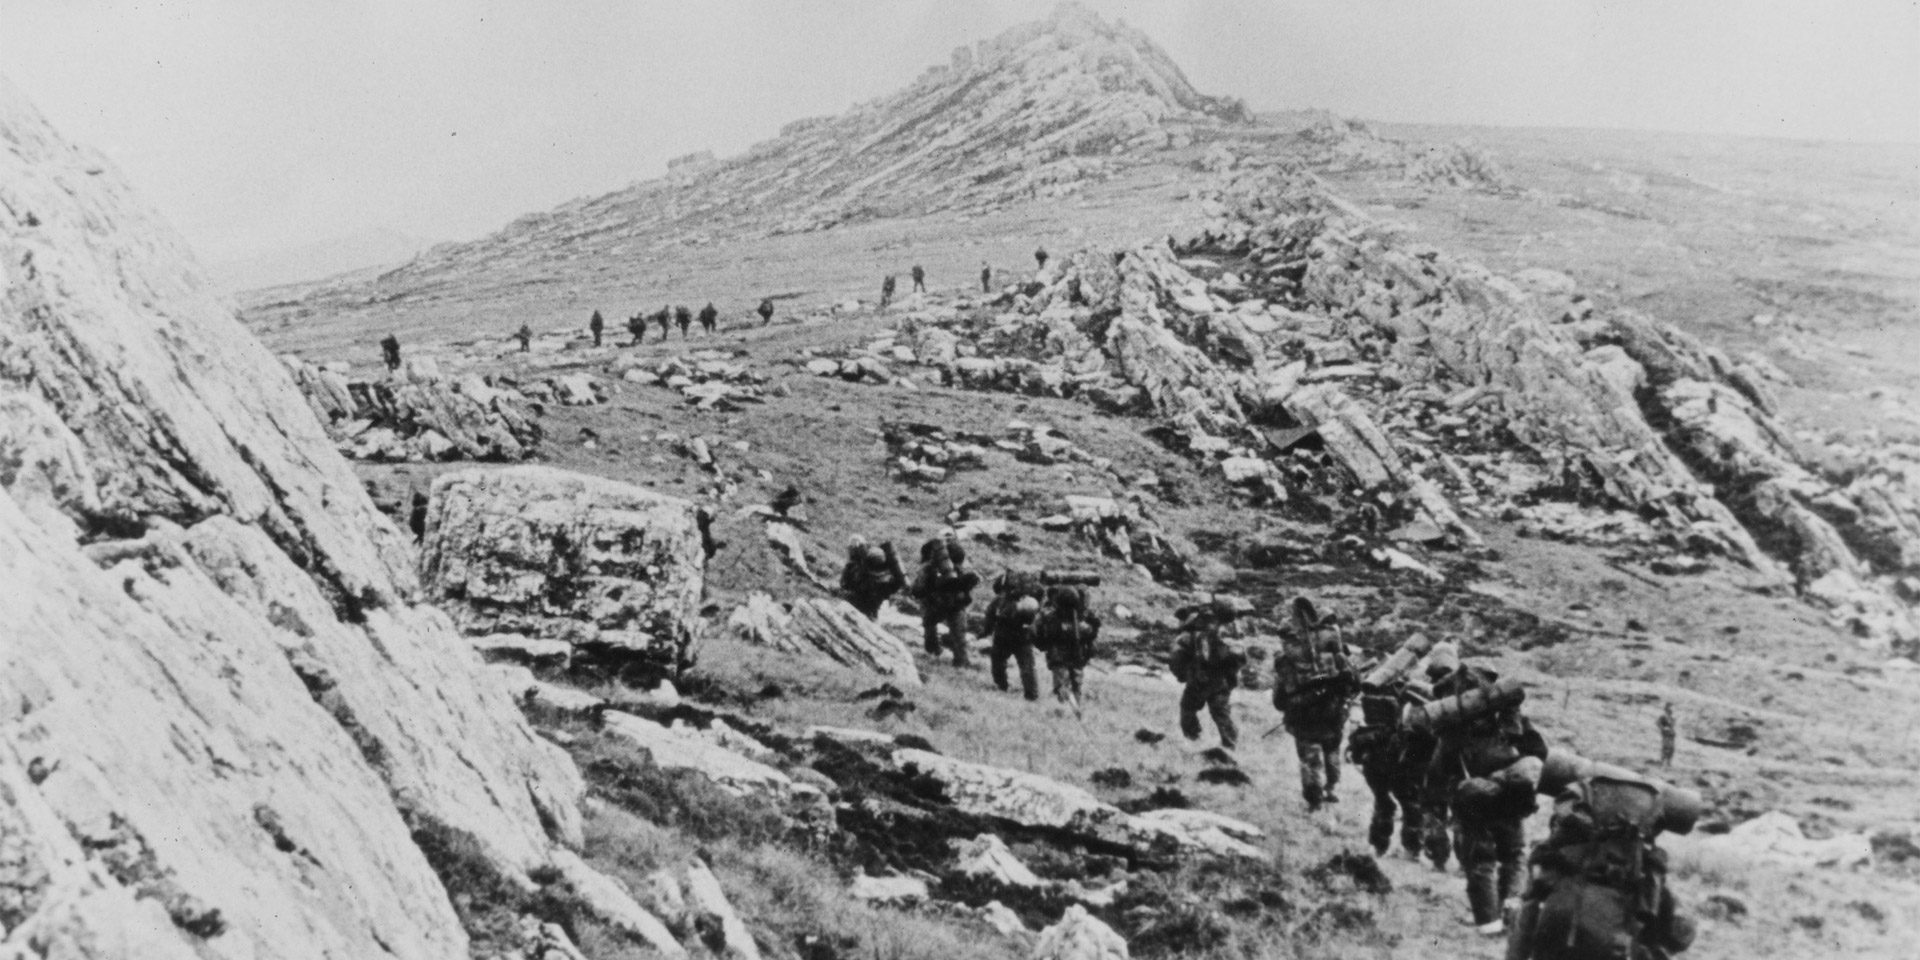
541,641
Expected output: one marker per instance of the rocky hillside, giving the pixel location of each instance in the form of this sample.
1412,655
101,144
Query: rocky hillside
228,725
1040,111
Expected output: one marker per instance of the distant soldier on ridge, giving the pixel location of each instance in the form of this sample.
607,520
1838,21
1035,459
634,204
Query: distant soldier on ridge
709,317
597,326
682,318
1040,257
986,278
637,325
665,319
525,336
390,350
765,311
886,291
1669,731
919,279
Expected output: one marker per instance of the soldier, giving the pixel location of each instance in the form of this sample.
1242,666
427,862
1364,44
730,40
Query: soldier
886,291
1491,817
1381,748
919,279
944,588
525,336
1313,685
709,317
682,318
1668,732
1599,885
596,326
1040,257
871,577
664,317
390,349
1208,657
637,325
765,311
1009,623
986,278
1066,629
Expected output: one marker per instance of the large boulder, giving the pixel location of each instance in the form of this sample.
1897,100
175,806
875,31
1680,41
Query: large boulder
226,720
541,551
1080,936
819,625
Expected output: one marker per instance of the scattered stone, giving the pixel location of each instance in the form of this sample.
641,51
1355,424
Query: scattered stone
1080,936
827,626
889,890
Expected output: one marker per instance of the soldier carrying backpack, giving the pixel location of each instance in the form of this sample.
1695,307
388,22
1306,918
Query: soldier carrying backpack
1208,658
1393,760
1313,685
1066,629
1599,887
944,587
871,576
1485,767
1008,621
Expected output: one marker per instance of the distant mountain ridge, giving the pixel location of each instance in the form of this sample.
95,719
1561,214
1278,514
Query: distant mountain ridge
318,259
1035,112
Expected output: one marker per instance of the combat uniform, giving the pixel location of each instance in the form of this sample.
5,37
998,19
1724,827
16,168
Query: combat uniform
1208,657
944,588
1492,829
1009,621
1313,686
1066,630
871,576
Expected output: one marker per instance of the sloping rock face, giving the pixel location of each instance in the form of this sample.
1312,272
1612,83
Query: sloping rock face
224,717
812,625
552,553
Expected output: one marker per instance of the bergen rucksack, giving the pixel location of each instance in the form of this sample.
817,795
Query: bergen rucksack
1599,890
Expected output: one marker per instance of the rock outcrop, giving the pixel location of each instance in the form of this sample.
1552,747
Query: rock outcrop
812,625
1035,801
226,721
544,552
419,415
1080,936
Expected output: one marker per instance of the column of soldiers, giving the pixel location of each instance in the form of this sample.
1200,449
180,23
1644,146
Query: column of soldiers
1445,748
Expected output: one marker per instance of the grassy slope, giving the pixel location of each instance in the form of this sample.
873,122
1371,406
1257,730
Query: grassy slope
1837,739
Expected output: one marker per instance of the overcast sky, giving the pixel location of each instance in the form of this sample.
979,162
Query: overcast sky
259,124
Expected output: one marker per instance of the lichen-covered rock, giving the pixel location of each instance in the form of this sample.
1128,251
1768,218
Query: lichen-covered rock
541,551
683,749
1080,936
823,625
225,719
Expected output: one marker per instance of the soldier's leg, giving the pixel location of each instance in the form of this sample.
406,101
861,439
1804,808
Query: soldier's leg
1509,838
1330,755
1029,681
930,631
1439,840
1192,698
1380,828
1313,770
1480,858
957,636
1220,707
997,663
1412,816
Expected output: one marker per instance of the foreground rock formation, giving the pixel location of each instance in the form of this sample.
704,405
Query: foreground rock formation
831,627
549,553
227,720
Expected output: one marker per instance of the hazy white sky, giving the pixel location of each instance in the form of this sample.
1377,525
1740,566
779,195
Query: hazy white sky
258,124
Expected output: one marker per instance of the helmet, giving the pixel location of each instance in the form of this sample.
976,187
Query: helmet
1305,617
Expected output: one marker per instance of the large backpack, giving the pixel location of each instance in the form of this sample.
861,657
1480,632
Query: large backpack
1601,890
1066,628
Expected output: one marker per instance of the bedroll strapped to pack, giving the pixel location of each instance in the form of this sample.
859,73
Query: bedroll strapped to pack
1602,892
1448,713
1676,809
1389,671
